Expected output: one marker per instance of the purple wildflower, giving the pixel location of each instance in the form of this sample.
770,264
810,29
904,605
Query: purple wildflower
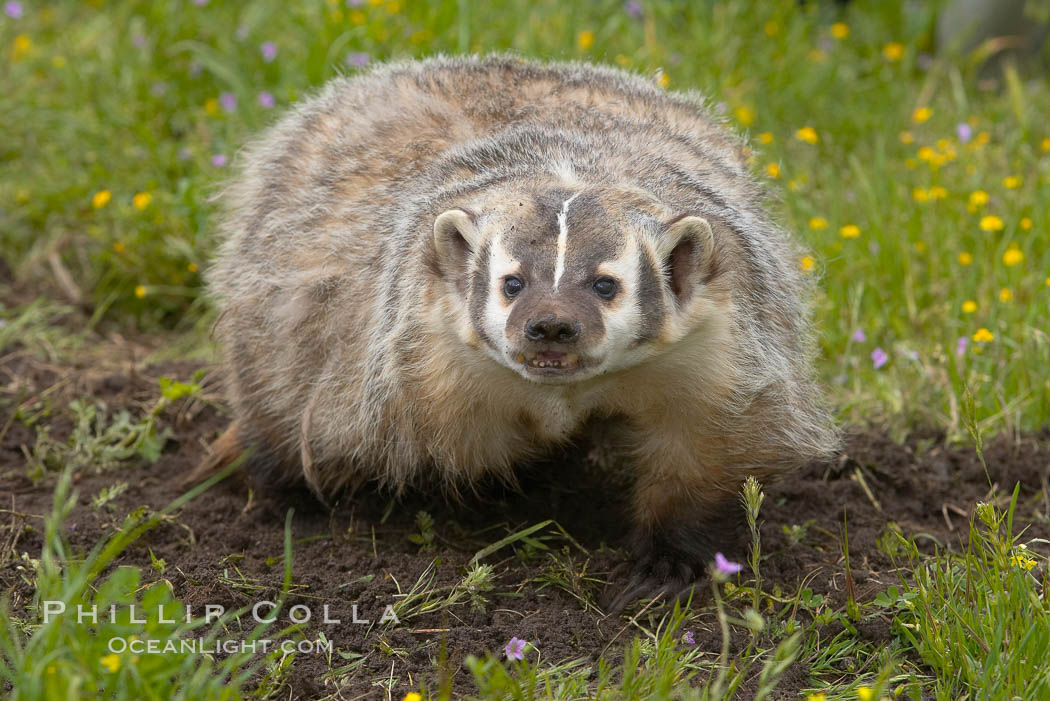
228,101
269,51
218,160
200,3
13,10
961,345
354,3
688,637
912,355
357,59
633,8
515,649
964,132
879,358
726,566
859,336
266,99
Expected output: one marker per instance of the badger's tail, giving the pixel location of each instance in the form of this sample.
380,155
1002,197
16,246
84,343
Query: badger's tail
222,453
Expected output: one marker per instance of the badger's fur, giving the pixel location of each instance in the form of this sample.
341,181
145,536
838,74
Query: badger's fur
440,270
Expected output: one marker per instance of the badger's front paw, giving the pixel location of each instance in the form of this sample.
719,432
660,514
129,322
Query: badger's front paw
669,562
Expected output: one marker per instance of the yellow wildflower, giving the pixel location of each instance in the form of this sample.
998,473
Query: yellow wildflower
816,56
938,193
585,39
921,114
817,223
624,61
141,200
357,17
794,185
910,163
140,291
1026,223
926,154
1046,144
772,29
211,107
192,267
920,246
978,198
919,195
111,662
850,231
665,80
1025,563
807,134
412,696
865,693
1012,182
807,264
1012,257
907,137
893,51
101,199
745,115
765,137
773,170
965,258
969,306
983,335
840,30
991,223
983,138
1006,295
21,47
817,697
22,195
119,247
393,7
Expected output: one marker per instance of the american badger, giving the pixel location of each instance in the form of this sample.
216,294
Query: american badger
443,269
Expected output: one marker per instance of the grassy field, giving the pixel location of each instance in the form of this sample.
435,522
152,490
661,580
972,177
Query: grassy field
922,193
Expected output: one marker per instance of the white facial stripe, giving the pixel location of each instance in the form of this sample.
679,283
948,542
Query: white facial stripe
496,313
622,322
563,239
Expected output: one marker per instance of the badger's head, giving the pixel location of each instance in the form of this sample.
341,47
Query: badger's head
561,284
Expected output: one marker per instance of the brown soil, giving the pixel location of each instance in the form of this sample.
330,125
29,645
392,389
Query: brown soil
359,552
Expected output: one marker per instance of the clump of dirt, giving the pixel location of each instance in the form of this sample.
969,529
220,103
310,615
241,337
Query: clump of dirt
225,547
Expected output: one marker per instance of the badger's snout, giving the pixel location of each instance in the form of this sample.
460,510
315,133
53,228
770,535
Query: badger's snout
553,329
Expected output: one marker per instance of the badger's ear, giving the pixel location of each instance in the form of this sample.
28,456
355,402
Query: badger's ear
686,249
455,236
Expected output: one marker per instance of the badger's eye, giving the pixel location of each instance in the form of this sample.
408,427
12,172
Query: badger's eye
512,286
605,287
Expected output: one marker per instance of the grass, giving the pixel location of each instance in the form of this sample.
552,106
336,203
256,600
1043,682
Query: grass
921,195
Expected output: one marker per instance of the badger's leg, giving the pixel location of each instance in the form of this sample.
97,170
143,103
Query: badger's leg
685,509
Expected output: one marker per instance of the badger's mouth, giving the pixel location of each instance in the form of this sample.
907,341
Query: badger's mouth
549,362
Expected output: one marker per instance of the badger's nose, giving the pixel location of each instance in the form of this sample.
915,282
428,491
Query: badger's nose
551,328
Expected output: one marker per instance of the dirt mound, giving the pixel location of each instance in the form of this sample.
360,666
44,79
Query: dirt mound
225,547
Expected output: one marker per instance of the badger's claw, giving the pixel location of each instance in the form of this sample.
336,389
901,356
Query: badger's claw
652,578
669,562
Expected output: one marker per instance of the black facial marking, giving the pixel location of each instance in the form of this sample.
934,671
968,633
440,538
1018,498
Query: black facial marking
478,294
650,297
